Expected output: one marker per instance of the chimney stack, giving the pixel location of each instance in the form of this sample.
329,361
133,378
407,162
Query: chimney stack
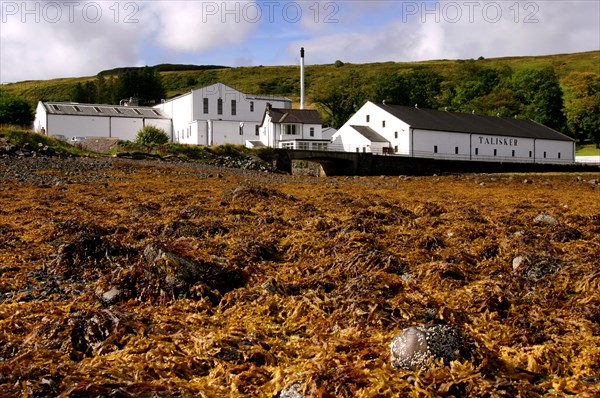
302,78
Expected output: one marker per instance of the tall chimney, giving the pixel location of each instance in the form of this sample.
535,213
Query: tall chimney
302,78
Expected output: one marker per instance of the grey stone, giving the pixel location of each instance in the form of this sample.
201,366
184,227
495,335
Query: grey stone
534,267
545,219
415,347
293,391
110,296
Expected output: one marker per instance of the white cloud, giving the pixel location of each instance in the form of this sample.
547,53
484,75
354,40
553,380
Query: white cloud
83,42
73,45
465,30
196,26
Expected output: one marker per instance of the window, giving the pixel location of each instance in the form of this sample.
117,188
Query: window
495,152
220,106
544,155
395,134
312,131
233,107
456,150
303,146
357,149
241,129
290,129
435,149
368,118
513,153
396,149
476,151
205,101
383,123
251,106
256,130
559,155
530,154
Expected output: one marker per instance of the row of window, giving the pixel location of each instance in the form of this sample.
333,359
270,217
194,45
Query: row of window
100,110
291,129
456,152
205,106
315,146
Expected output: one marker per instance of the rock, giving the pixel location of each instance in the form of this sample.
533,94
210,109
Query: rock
533,267
415,347
111,296
545,219
293,391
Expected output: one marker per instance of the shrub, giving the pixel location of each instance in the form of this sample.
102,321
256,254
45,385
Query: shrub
151,135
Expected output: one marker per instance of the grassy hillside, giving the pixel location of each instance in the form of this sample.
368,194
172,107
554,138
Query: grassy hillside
284,80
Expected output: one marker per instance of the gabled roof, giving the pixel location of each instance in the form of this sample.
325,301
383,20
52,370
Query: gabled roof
369,133
429,119
303,116
249,97
76,109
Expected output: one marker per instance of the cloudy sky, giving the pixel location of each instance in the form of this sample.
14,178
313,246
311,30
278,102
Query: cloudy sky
69,38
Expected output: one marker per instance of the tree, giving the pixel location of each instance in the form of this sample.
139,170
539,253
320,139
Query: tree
144,84
582,106
151,135
472,83
540,95
15,110
341,98
421,86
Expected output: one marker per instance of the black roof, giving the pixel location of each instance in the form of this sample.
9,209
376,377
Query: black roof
304,116
429,119
369,133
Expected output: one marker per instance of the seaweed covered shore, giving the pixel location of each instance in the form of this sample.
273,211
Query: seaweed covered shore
127,278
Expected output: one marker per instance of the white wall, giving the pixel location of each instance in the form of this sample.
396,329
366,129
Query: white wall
40,118
82,126
499,148
547,151
348,139
125,128
426,141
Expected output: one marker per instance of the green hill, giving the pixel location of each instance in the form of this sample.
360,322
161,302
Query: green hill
285,80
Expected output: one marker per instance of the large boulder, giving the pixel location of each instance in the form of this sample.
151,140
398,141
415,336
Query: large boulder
417,346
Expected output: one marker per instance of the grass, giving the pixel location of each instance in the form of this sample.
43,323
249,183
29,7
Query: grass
587,150
250,79
17,135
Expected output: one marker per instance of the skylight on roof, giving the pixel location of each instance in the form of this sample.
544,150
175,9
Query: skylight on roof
137,111
156,112
117,110
55,107
76,108
97,109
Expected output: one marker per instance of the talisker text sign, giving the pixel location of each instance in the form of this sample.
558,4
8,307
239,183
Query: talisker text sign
498,141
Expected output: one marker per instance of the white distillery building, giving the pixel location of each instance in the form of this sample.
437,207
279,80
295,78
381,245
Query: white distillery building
72,119
412,131
217,114
291,129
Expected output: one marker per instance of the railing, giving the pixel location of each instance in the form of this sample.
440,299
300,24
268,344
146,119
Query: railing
311,147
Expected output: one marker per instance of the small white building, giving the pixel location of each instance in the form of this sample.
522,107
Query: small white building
217,114
412,131
72,119
291,129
